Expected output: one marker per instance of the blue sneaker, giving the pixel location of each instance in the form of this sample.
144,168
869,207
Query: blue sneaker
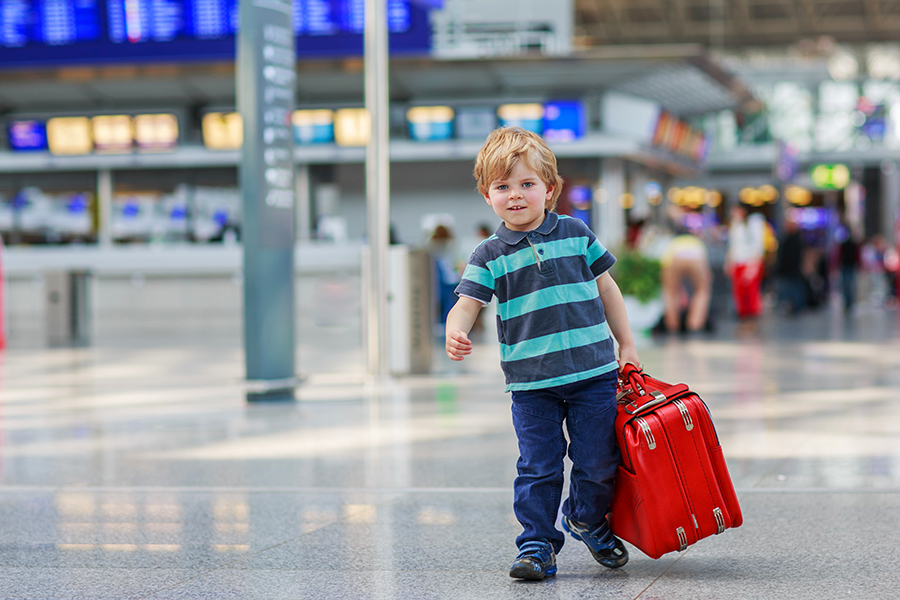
536,560
607,549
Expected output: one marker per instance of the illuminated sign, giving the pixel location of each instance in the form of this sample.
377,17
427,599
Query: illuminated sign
694,197
222,131
352,127
830,177
155,133
27,135
313,126
526,116
564,121
797,195
764,194
428,123
69,135
112,133
676,136
94,31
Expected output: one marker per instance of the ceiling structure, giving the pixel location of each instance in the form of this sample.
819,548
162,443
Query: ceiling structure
656,49
681,78
734,24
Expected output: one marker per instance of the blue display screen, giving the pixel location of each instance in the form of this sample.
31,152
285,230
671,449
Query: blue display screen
35,32
50,22
564,121
27,135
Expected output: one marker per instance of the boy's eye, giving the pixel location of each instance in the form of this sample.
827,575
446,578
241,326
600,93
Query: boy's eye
527,184
502,186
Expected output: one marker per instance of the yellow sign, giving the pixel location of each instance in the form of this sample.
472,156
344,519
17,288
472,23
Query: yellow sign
223,131
112,133
156,132
352,127
759,196
830,177
69,135
694,197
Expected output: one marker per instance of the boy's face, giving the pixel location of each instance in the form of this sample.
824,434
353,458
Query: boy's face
520,199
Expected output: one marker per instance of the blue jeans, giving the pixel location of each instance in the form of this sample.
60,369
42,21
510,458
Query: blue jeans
589,411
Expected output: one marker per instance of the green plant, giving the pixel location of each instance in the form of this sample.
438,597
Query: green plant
637,275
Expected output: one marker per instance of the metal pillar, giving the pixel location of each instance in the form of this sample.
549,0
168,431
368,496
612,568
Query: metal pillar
890,200
609,222
304,199
266,76
377,185
104,207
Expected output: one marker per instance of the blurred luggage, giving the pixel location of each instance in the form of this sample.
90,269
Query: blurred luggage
672,487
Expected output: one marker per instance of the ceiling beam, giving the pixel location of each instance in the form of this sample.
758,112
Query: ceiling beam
747,22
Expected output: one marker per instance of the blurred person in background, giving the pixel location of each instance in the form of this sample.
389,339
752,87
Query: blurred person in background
686,261
443,250
792,284
848,261
880,261
745,261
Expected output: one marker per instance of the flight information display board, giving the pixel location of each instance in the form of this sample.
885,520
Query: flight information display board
52,32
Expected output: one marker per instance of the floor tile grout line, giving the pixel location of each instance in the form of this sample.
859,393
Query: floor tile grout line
666,570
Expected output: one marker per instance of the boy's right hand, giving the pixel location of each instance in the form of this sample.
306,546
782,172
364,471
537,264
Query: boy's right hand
458,345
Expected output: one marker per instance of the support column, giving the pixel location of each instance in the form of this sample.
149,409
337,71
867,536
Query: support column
639,180
378,208
890,199
304,200
609,220
266,76
104,207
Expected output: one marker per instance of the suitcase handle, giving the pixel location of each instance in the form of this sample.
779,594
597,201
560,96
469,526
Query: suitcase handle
634,378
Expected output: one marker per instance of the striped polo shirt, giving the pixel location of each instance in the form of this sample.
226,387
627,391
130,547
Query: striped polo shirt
550,320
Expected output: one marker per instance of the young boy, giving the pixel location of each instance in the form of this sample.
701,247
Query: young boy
558,310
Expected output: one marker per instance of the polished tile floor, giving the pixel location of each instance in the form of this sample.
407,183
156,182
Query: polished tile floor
134,471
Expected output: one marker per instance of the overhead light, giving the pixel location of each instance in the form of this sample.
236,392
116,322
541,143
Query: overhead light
843,66
883,62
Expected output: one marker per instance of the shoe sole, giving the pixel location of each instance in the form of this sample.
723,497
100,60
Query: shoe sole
527,574
606,562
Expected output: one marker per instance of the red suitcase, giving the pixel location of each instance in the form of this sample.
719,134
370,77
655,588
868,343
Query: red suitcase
672,487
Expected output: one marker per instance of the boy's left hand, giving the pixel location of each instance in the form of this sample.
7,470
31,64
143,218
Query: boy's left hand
628,355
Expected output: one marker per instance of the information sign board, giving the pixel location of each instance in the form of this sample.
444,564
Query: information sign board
35,32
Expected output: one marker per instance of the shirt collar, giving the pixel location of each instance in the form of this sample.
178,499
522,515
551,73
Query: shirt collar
514,237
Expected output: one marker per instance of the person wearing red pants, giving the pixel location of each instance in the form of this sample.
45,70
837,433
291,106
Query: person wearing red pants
744,261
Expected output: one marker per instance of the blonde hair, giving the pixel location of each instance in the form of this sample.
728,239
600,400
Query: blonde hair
503,150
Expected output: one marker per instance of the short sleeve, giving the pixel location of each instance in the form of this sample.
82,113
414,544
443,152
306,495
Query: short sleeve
598,257
477,281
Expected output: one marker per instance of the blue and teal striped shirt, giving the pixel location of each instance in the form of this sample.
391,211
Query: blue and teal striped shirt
550,320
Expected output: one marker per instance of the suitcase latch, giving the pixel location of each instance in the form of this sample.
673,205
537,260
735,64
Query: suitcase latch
651,441
658,398
720,520
682,539
685,415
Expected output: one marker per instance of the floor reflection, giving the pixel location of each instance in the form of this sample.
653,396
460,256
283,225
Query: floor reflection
124,459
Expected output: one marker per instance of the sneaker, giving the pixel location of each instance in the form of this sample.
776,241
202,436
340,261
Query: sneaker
607,549
536,560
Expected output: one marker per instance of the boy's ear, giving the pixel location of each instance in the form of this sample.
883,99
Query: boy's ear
487,199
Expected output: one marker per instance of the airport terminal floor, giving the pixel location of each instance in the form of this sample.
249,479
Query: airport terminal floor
138,471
